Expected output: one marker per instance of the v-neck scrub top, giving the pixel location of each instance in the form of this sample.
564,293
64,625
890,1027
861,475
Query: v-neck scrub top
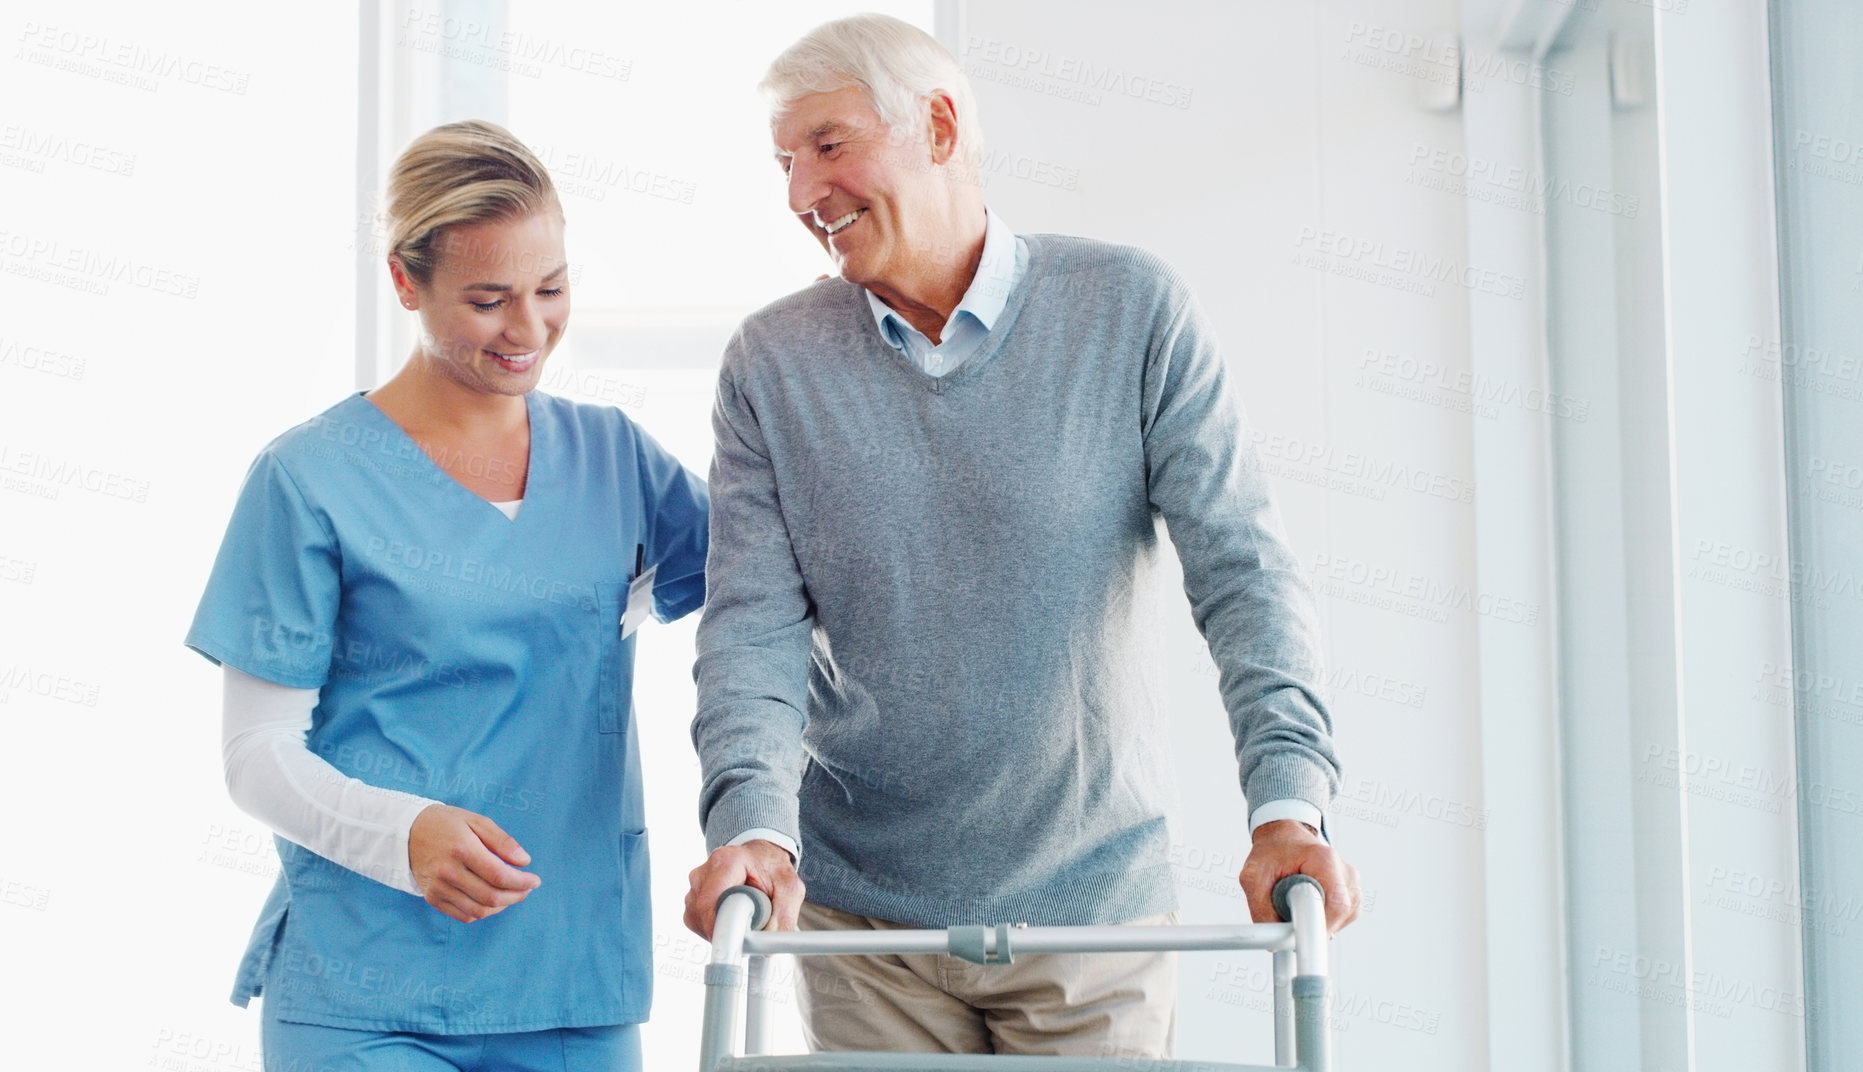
474,659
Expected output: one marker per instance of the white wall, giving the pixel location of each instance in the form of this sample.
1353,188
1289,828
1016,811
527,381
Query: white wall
169,240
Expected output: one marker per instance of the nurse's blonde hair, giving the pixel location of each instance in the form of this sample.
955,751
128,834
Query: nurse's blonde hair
460,173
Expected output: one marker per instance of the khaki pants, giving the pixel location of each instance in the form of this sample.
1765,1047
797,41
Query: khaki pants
1077,1004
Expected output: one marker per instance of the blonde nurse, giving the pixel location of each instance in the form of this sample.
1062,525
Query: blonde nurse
418,611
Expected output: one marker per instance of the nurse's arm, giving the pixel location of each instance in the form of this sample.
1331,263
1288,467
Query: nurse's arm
273,776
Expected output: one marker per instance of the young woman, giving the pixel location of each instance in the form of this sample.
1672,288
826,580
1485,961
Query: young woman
419,610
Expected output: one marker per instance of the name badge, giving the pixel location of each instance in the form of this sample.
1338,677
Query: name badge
639,602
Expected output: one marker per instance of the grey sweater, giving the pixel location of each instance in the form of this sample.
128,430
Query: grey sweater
926,649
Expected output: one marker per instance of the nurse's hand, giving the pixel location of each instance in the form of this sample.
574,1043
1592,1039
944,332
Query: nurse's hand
464,864
762,864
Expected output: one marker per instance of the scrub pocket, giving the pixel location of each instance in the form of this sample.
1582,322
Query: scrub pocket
637,923
610,601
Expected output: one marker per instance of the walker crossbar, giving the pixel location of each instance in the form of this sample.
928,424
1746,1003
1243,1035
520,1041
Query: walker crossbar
958,1062
1272,937
1300,983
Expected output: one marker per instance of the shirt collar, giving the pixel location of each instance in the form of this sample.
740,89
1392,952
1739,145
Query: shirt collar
989,290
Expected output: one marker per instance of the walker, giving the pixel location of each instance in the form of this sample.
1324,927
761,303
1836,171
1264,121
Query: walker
741,950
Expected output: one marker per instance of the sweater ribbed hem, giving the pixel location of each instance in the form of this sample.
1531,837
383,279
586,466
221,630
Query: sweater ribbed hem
1289,776
1096,900
743,809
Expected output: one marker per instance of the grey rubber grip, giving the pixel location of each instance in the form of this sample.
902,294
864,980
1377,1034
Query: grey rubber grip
1284,887
762,900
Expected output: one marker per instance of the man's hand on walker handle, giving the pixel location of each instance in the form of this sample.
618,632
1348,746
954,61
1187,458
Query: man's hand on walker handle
762,864
465,865
1288,847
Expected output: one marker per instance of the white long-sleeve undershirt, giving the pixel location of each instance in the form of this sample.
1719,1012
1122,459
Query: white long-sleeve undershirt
274,777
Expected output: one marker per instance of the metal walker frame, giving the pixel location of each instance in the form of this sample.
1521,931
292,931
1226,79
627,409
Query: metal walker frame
740,964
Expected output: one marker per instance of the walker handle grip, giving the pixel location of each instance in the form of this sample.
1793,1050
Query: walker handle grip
760,915
1285,887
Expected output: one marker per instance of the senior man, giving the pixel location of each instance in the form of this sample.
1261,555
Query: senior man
921,670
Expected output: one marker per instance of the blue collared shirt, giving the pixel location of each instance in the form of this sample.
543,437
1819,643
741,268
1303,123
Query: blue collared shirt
1005,261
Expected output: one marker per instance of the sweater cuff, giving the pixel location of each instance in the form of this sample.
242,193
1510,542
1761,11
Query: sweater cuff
1290,777
743,810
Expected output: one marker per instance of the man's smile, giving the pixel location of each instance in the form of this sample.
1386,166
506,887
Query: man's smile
838,225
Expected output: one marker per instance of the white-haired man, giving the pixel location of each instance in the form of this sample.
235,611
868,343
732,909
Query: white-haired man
934,525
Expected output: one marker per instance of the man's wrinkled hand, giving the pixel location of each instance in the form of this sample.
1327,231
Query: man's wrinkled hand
762,864
1288,847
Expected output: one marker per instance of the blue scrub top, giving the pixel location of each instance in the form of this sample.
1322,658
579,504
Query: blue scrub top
473,659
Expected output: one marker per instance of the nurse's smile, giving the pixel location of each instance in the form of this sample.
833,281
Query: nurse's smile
516,362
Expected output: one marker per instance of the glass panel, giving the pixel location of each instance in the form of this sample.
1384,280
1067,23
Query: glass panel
1818,360
1618,683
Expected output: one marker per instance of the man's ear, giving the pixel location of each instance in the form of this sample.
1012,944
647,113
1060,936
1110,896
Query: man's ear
942,128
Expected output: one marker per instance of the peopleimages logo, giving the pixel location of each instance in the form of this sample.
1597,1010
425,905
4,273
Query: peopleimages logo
1823,903
1378,472
1672,983
1422,270
501,48
37,146
95,268
1833,687
1446,61
30,358
1388,802
48,685
590,175
1511,185
114,59
1075,77
46,475
1484,391
1412,593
